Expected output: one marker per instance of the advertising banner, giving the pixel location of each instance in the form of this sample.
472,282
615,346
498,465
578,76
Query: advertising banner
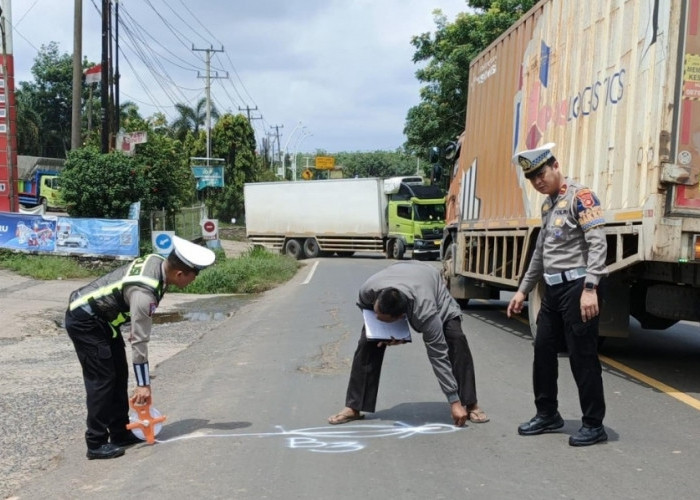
69,236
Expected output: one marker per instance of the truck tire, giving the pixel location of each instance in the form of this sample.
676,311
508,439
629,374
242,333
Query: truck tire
293,249
397,249
311,248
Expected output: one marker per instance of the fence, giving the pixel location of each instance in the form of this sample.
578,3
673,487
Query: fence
186,223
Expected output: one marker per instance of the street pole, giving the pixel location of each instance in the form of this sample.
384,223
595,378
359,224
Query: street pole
296,149
104,83
208,91
77,74
12,188
284,150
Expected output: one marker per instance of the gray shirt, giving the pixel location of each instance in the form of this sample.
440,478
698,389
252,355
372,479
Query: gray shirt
572,236
430,306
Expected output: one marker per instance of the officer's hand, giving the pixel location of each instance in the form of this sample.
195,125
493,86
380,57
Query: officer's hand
459,413
516,303
589,305
142,395
391,342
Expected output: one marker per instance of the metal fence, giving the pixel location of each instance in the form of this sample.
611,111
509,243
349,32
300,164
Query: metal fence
186,223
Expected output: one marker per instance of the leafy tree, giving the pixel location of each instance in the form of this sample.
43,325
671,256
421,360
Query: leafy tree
50,97
233,139
101,185
28,124
440,116
376,164
191,119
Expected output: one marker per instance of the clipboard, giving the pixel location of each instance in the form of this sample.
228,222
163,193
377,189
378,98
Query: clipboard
380,330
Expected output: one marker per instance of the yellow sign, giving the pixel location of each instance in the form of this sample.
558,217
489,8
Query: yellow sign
325,162
307,175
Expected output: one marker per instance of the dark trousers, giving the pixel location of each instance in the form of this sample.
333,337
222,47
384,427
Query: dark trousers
559,320
105,373
367,367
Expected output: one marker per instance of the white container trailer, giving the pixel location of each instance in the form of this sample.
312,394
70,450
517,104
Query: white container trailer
307,218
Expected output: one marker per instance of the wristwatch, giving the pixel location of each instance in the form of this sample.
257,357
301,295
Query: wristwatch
590,286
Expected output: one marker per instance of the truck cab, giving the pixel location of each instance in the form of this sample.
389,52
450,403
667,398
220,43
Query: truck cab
416,219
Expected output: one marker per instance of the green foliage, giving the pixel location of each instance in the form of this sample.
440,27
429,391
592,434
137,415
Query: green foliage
447,54
191,119
50,97
253,272
51,267
101,185
232,139
376,164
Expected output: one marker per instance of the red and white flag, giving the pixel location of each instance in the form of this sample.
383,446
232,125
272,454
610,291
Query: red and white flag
94,74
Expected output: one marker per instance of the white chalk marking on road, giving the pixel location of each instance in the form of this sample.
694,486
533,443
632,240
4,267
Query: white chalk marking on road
332,439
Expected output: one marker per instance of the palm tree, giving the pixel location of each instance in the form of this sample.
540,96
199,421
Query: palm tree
191,119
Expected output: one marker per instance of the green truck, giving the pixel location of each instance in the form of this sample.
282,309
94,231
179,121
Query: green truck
307,219
42,188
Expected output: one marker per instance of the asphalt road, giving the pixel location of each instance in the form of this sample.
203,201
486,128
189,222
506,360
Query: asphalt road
246,409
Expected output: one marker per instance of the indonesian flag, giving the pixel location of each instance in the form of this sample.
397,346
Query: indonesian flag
94,74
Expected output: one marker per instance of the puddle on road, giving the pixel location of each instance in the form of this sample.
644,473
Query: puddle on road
209,309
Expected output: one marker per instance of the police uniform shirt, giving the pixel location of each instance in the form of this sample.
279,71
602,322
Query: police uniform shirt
142,305
430,306
572,236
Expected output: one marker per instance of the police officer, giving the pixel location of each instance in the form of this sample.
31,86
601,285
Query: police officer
95,313
570,256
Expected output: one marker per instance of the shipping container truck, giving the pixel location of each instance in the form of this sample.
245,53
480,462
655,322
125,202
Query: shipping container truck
616,85
42,188
344,216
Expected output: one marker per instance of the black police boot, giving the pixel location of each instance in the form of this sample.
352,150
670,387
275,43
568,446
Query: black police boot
541,423
107,450
587,436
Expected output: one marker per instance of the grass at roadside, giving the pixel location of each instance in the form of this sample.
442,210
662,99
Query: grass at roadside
255,271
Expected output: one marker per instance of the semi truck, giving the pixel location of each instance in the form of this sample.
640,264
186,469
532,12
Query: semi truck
616,86
41,188
307,219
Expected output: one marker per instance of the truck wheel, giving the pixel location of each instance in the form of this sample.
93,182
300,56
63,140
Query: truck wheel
293,249
311,249
534,304
397,249
448,264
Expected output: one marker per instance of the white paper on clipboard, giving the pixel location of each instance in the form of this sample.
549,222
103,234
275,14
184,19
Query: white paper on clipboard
381,330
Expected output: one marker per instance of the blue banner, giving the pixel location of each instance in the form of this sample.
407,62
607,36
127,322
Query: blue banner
69,236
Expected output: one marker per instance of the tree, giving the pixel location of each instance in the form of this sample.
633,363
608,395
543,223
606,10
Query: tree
440,116
28,124
191,119
50,97
376,164
101,185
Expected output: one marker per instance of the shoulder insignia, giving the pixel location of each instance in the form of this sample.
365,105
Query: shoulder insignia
562,204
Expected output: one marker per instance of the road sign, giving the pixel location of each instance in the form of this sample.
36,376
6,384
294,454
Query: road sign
325,162
210,229
307,174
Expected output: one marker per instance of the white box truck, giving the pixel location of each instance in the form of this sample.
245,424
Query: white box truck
616,85
344,216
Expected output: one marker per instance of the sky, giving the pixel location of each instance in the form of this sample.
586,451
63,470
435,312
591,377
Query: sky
328,75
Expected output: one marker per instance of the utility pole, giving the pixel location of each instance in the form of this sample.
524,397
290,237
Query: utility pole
116,67
277,135
248,109
208,91
104,84
77,74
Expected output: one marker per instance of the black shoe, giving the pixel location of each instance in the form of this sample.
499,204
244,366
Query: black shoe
541,423
107,450
124,440
587,436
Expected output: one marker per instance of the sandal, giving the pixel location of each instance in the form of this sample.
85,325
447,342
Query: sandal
343,417
477,416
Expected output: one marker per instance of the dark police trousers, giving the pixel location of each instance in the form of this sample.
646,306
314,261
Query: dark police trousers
367,367
559,316
105,373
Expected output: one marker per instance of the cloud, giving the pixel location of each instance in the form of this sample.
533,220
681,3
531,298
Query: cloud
343,68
